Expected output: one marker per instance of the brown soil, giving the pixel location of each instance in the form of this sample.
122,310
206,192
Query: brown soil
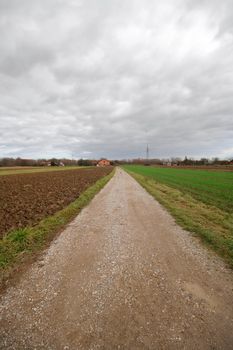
122,275
25,199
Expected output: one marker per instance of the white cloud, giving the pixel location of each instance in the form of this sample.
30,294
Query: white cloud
104,78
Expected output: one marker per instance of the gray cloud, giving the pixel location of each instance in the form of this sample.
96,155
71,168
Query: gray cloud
103,78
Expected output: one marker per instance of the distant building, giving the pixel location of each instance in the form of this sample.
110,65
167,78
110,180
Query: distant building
167,163
103,162
44,163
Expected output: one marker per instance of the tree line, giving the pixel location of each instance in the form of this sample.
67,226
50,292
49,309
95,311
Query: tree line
13,162
176,161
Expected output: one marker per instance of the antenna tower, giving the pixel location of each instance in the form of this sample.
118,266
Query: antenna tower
147,152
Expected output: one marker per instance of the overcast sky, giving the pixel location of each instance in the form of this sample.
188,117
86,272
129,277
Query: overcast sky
93,78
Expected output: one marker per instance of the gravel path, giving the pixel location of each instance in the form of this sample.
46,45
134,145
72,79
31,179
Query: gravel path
122,275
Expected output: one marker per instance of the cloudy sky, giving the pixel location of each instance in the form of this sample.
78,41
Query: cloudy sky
93,78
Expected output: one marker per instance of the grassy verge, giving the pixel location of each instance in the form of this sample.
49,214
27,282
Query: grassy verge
213,225
19,244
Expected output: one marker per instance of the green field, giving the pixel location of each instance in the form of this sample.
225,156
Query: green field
36,169
210,187
201,201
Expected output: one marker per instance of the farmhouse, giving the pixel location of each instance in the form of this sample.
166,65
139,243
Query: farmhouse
103,162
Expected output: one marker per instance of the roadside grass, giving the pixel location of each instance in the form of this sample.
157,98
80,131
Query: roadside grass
20,244
213,225
13,171
210,187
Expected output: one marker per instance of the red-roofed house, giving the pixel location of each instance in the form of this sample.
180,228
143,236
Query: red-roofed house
103,162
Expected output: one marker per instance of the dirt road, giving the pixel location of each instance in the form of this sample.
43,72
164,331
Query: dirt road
122,275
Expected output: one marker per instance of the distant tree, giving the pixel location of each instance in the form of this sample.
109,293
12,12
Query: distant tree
204,161
54,162
84,162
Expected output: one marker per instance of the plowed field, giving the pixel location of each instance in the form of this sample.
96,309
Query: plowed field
25,199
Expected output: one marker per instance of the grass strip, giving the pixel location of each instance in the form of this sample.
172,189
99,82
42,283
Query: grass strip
19,244
4,172
213,225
